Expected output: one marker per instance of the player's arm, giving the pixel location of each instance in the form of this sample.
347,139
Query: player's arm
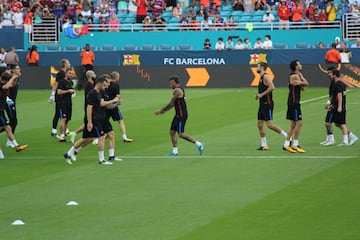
298,80
89,117
114,101
269,83
65,91
176,95
339,101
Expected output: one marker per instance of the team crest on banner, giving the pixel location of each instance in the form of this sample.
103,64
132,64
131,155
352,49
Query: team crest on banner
131,59
256,58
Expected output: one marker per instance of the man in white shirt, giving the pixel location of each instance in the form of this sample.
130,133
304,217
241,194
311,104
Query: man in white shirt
219,46
268,17
2,58
357,44
258,44
267,44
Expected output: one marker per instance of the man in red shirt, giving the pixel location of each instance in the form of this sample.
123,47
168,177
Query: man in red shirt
141,11
284,15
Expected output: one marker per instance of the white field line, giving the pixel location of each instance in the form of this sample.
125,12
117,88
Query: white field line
239,157
317,98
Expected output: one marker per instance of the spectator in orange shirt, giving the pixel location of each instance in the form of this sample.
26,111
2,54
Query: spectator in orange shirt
33,57
87,60
333,55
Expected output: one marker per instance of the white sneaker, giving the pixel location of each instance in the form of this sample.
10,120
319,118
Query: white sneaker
73,135
115,159
329,143
104,162
342,145
73,157
323,143
67,158
95,141
353,140
10,145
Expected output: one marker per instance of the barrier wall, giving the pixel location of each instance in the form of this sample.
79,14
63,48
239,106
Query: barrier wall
225,76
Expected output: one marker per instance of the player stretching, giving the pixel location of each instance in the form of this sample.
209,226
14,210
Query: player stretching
297,82
338,108
266,107
179,120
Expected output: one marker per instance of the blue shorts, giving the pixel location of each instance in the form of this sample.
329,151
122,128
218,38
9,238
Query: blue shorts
178,124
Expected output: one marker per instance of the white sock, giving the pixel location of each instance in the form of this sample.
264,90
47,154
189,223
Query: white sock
53,130
286,143
62,135
331,138
124,136
351,135
283,133
67,130
198,144
263,142
111,152
77,150
8,141
71,151
101,156
1,154
14,142
296,142
175,150
345,139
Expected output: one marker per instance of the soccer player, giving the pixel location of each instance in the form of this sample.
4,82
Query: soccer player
7,81
97,125
330,140
181,114
114,91
266,106
338,107
64,65
297,83
64,91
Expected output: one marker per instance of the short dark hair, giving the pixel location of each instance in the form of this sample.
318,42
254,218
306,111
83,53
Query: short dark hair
6,76
336,73
293,65
333,45
263,64
101,79
175,78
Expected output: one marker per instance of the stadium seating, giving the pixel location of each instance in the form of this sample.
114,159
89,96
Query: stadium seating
280,46
166,47
129,47
72,48
147,47
184,47
107,47
302,45
52,47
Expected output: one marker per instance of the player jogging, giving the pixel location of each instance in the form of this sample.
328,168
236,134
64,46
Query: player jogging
178,123
266,106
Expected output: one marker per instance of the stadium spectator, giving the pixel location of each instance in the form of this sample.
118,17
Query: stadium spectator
58,9
202,12
267,44
345,54
239,45
259,5
18,18
191,12
2,59
97,14
321,4
206,23
194,24
33,57
122,6
320,45
213,10
268,17
333,55
343,8
114,23
159,23
247,44
171,4
331,11
80,19
15,5
47,3
86,8
104,12
356,44
132,7
183,3
103,25
207,44
219,46
11,58
355,9
298,12
141,10
271,4
229,45
218,22
219,3
206,3
71,9
147,24
248,5
258,44
90,24
28,21
7,16
231,24
337,42
177,12
290,4
184,24
157,7
237,5
310,11
26,4
284,15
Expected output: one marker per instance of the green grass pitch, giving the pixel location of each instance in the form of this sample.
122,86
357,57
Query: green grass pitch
231,192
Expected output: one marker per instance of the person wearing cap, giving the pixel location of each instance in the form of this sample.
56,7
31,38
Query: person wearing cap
337,42
268,17
33,57
331,10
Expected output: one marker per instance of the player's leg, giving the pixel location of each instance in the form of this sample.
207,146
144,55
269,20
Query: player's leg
290,133
183,135
352,136
101,147
117,116
76,132
260,125
55,121
344,132
330,140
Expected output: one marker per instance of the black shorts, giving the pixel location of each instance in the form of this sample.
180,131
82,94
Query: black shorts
3,119
100,127
265,112
65,110
339,117
329,117
294,112
178,124
115,114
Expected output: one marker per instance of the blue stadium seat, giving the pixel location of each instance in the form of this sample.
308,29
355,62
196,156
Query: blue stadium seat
259,13
72,47
128,20
129,47
147,47
107,47
52,47
245,19
280,46
237,13
302,45
93,48
257,18
184,47
166,47
226,8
